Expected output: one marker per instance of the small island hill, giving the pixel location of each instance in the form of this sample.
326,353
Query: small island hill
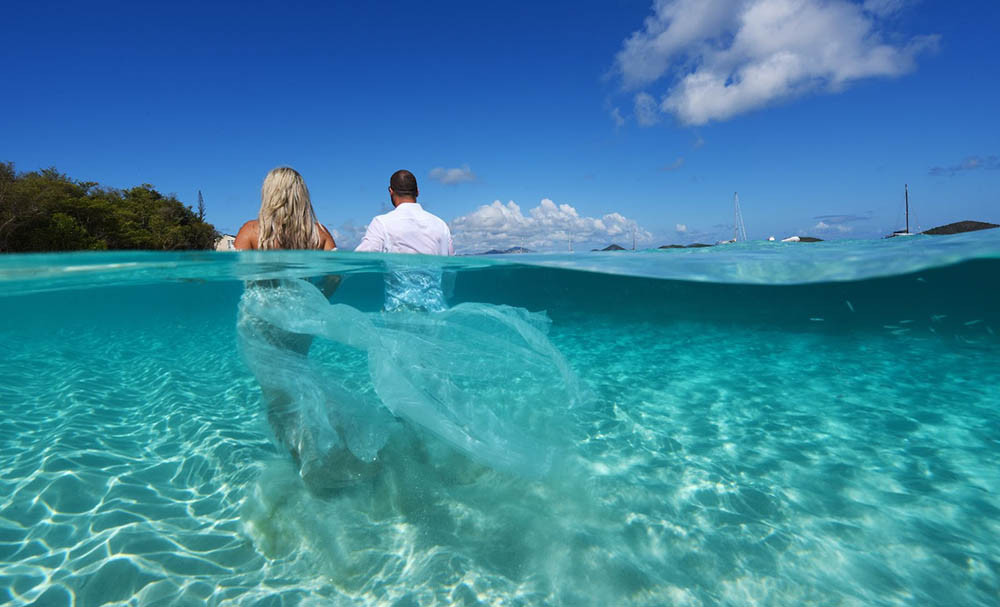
959,227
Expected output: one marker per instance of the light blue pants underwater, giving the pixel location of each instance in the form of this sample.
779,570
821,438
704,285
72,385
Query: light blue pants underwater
483,378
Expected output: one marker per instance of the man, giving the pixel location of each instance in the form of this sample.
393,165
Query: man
408,228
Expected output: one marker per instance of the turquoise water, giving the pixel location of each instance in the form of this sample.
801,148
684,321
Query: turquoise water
758,424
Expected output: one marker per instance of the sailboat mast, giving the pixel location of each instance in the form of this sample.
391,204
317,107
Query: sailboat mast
906,192
736,213
739,229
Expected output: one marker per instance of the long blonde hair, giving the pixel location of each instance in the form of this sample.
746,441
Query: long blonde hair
286,219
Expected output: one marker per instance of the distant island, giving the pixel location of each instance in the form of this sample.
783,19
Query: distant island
959,227
611,247
47,211
506,251
801,239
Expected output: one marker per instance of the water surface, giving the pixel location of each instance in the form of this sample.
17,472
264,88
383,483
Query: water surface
772,424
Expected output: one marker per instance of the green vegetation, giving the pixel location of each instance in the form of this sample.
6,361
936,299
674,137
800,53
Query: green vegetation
47,211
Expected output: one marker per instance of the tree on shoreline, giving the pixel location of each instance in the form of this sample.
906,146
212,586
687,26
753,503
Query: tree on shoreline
47,211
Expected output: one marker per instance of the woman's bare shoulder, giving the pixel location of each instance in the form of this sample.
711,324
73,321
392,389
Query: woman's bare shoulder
328,243
248,235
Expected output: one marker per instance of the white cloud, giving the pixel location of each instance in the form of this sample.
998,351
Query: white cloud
823,226
883,8
969,163
546,227
348,235
673,166
681,228
616,115
453,176
674,27
727,57
646,112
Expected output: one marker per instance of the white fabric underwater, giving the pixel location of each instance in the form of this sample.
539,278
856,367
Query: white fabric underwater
436,369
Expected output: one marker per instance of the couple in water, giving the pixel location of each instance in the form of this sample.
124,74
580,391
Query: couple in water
287,220
483,378
296,397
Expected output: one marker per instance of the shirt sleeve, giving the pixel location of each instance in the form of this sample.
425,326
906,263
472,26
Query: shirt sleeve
374,240
448,239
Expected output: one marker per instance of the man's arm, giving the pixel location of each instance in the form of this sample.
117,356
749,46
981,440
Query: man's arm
451,243
374,240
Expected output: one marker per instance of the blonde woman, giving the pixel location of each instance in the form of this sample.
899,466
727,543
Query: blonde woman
297,406
286,219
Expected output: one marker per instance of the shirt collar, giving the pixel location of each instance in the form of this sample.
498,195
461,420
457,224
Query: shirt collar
402,205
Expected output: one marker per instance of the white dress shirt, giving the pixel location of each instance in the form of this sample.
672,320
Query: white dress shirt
408,229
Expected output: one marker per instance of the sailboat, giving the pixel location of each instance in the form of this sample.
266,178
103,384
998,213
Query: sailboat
739,230
906,231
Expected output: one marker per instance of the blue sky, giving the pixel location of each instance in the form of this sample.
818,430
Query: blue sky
528,123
